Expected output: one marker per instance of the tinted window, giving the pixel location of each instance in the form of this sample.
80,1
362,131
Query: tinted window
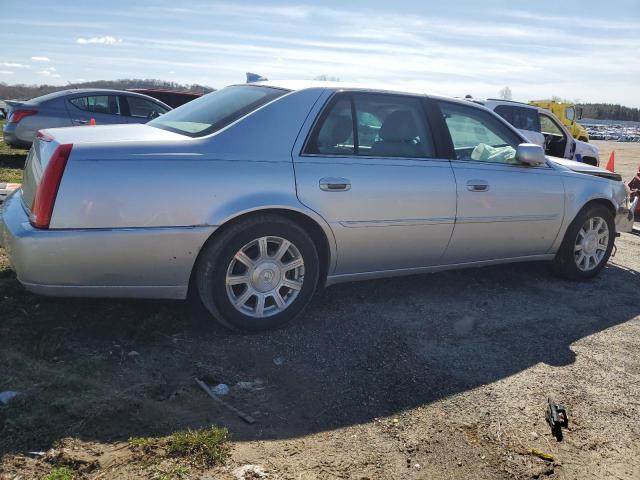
520,117
478,135
335,135
139,107
391,126
98,104
216,110
385,125
549,127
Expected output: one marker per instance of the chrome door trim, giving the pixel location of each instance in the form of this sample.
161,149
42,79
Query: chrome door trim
408,222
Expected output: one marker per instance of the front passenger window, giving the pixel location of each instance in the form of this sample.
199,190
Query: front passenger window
479,136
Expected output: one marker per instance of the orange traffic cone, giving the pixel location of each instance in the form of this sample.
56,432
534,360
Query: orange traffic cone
611,164
92,121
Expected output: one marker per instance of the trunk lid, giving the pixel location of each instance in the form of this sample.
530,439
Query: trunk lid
129,132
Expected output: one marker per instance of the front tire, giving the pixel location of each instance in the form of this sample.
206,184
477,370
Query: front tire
258,274
587,245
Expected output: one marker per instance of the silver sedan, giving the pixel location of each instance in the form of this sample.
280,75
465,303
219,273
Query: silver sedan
76,107
250,198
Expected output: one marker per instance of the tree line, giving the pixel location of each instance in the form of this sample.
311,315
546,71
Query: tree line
25,92
609,111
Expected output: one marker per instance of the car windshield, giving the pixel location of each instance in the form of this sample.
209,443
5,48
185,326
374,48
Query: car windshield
214,111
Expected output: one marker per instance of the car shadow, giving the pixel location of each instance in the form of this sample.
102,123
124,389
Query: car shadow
360,351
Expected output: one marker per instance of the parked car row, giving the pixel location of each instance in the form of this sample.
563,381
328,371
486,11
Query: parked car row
76,107
286,186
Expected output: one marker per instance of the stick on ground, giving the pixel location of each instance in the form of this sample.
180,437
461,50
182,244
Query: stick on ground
247,418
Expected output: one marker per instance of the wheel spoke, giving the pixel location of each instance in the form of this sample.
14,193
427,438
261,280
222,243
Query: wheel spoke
242,299
295,263
578,247
237,280
278,299
292,284
260,298
284,246
262,244
243,258
601,247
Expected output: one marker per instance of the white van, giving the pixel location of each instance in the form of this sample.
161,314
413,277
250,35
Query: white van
540,126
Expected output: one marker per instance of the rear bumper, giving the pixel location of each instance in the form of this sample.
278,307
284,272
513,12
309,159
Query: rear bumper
11,138
131,262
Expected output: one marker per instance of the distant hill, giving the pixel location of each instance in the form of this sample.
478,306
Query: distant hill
609,111
25,92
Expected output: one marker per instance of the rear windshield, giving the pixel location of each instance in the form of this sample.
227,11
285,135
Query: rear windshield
216,110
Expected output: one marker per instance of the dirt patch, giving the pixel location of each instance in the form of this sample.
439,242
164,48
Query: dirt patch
435,376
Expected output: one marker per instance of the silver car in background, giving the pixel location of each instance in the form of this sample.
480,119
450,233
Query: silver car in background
76,107
249,198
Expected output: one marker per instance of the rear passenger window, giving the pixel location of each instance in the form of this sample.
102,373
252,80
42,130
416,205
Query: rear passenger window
520,117
391,126
384,126
98,104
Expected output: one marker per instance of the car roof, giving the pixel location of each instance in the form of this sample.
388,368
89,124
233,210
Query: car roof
296,85
89,91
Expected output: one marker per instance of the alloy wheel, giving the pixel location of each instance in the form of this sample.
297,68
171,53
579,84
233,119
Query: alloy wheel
265,276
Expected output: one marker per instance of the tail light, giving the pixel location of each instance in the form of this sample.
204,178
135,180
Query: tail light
47,190
18,115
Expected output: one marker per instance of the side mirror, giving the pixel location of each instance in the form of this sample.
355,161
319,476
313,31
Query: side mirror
530,154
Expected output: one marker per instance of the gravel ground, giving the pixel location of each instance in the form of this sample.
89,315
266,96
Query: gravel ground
441,376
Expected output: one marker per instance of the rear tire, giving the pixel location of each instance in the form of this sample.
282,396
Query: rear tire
587,244
258,274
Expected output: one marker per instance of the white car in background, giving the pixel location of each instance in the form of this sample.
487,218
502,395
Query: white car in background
541,127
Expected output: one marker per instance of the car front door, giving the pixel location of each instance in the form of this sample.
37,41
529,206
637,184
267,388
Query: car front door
104,109
371,169
505,209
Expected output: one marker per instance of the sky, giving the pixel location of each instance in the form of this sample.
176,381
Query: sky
580,50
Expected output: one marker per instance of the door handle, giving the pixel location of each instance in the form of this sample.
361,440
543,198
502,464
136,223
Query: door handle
335,184
82,122
477,185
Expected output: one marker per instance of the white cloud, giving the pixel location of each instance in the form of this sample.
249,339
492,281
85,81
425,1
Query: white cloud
40,59
6,72
171,72
49,72
106,40
13,65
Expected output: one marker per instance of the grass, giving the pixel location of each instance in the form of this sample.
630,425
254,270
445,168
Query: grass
61,473
207,445
11,162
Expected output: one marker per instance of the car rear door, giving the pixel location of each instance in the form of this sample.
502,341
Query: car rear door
104,108
371,168
505,209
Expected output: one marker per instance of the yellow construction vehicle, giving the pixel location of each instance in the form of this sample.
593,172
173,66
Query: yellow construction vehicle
568,113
